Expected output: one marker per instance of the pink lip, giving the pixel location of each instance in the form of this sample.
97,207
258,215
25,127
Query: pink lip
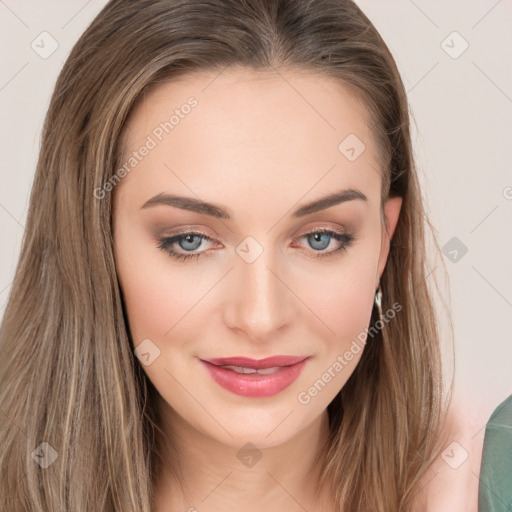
256,385
246,362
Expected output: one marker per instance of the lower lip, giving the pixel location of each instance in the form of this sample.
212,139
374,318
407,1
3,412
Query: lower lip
254,384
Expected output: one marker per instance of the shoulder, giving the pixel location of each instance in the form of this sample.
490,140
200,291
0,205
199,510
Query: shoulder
452,482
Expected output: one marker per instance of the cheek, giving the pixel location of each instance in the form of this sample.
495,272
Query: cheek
344,304
153,303
349,307
341,297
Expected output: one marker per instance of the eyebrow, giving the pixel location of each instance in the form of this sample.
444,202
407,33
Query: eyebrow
195,205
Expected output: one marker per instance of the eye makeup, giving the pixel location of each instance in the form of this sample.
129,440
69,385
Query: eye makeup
173,245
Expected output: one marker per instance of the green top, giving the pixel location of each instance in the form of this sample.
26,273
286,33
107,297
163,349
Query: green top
495,490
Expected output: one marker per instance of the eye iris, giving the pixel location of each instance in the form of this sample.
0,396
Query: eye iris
190,239
317,237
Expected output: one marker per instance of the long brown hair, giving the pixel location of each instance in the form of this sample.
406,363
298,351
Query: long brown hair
68,372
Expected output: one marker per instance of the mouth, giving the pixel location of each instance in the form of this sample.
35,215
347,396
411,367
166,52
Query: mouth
253,377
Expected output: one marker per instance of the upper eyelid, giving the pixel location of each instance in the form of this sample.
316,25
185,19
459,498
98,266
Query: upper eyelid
182,234
191,231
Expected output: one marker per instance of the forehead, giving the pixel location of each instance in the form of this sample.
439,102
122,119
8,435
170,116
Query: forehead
250,131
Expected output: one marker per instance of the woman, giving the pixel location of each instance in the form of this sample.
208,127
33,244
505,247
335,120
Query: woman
222,296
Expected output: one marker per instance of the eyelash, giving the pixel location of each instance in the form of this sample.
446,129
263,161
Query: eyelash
165,243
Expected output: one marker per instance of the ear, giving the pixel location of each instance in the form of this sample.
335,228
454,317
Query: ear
392,210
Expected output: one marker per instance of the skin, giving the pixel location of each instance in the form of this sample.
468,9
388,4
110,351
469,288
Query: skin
261,145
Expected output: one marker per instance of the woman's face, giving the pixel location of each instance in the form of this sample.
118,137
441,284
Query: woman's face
248,277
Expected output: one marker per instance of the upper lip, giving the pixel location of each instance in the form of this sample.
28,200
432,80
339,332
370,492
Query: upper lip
256,364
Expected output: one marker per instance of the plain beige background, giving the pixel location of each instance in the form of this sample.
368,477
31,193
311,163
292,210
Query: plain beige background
455,60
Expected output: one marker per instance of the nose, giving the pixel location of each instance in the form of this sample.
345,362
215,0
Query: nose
259,302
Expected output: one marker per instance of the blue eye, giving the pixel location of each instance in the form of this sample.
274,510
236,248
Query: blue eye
318,240
186,241
190,239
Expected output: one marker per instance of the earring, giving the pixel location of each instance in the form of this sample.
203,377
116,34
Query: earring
378,301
